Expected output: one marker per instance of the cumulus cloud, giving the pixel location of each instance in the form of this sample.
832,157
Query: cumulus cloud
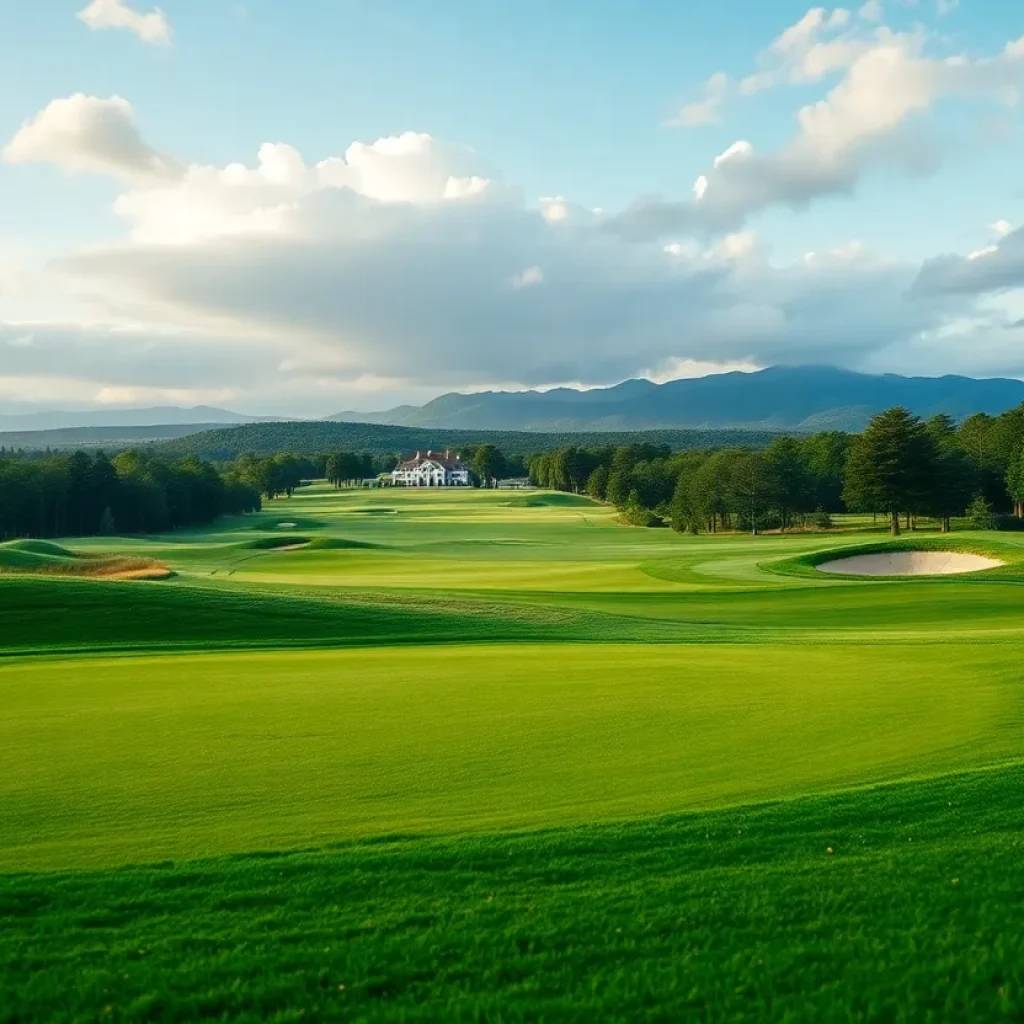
993,268
371,266
152,27
865,121
407,263
86,133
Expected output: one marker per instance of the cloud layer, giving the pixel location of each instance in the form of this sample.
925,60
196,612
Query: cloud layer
152,27
407,263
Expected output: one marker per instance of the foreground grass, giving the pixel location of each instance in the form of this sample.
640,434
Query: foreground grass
110,761
899,904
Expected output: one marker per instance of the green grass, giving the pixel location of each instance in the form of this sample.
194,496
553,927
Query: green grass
742,915
200,755
496,703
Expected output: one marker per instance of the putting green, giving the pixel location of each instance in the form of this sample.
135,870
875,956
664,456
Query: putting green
106,761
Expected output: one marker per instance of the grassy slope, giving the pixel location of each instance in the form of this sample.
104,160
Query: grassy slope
741,915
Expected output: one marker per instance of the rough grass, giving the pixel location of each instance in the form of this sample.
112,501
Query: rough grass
898,904
42,558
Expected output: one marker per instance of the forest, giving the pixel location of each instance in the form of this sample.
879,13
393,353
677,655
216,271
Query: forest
901,467
322,438
80,494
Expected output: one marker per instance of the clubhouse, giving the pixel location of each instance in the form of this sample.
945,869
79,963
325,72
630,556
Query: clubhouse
431,469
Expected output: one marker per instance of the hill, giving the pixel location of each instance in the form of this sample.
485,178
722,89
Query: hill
323,437
778,398
155,416
97,437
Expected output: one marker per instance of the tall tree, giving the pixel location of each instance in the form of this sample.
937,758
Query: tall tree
488,464
890,467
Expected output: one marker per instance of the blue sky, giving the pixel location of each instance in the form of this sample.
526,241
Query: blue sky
135,269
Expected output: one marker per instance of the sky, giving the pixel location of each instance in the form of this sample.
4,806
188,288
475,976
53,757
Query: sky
298,209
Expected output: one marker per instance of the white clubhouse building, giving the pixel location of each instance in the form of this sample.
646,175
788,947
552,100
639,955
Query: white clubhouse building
432,469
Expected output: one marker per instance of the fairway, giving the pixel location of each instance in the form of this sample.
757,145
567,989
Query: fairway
473,661
177,757
482,693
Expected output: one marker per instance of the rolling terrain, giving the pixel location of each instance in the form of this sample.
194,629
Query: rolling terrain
409,755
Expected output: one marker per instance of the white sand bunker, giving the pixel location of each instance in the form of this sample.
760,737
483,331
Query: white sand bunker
910,563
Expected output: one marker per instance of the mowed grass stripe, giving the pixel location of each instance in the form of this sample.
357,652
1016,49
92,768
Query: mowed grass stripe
110,761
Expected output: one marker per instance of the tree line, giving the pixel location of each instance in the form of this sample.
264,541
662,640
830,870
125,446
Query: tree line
900,467
79,494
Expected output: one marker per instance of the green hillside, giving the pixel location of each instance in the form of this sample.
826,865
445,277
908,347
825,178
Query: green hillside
323,438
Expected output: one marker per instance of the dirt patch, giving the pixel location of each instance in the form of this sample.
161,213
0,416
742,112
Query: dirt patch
910,563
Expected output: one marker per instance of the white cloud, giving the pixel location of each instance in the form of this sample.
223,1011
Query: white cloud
367,267
86,133
1001,227
864,121
706,110
529,278
871,11
407,261
153,27
944,7
993,268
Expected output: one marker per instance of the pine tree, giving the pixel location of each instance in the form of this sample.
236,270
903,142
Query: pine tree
891,467
979,513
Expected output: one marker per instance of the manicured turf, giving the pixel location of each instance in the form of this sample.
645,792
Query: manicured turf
526,686
900,904
192,756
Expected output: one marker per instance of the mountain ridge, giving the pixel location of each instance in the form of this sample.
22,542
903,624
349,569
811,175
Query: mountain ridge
150,416
776,398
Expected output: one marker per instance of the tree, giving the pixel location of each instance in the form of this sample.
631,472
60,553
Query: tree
752,487
890,466
979,513
1015,481
488,465
790,481
597,483
825,456
107,528
953,477
618,487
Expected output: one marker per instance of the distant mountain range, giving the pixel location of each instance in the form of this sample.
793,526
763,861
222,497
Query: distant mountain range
779,398
163,415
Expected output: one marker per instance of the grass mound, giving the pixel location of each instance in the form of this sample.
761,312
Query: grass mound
552,499
278,543
342,544
38,547
37,557
896,904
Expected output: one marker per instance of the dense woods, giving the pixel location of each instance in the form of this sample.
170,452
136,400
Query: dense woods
80,494
900,467
323,438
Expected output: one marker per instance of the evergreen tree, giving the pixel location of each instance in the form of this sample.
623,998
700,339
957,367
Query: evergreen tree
979,513
891,466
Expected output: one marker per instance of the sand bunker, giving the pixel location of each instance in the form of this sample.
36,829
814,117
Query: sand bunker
910,563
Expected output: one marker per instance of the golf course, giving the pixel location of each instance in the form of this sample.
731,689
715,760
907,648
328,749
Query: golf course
421,754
